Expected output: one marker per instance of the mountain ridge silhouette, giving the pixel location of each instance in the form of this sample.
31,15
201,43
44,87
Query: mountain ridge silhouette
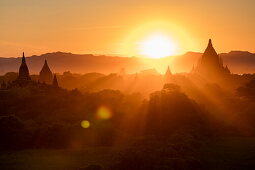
238,61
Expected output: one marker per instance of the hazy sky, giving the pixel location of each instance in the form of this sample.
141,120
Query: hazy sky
114,26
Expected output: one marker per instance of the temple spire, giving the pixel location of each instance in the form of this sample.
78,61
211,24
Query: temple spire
168,75
210,63
23,58
45,74
210,42
210,56
55,81
168,71
23,70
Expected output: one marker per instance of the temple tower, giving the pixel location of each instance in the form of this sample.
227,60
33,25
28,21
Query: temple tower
168,75
210,63
55,81
23,70
45,74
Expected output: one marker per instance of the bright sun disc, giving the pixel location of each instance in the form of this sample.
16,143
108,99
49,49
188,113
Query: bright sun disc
157,46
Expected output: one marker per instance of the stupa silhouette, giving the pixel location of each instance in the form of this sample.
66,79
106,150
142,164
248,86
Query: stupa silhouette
55,81
23,70
45,74
211,63
168,75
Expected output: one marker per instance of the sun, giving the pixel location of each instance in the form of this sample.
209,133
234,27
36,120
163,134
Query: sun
157,46
157,39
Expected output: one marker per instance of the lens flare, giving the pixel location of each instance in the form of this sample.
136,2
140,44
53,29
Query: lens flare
104,113
85,124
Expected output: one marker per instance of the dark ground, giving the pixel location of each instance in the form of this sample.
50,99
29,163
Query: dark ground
229,153
55,159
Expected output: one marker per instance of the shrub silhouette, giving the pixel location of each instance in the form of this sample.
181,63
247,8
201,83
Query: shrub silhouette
175,125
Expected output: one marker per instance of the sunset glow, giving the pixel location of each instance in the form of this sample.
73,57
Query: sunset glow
157,46
127,85
81,27
157,39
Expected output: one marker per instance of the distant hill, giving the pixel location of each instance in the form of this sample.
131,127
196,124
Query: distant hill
238,62
60,62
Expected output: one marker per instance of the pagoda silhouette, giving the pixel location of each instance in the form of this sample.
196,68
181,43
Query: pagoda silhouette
24,79
23,71
211,64
168,76
45,74
55,81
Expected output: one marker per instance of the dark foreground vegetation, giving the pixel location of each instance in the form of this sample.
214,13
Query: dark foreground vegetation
222,153
113,130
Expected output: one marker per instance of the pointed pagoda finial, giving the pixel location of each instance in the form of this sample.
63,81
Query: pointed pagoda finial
23,70
23,58
168,71
210,42
45,62
168,75
45,74
55,81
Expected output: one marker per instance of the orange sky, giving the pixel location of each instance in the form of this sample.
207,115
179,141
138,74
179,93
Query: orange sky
115,27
